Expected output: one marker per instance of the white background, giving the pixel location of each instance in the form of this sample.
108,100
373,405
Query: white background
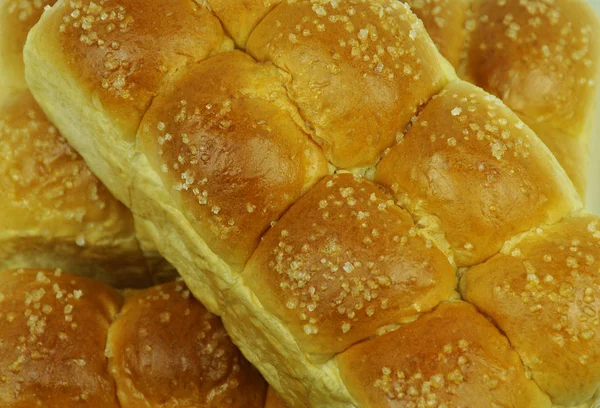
594,177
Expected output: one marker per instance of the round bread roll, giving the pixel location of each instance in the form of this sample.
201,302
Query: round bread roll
163,350
312,271
59,214
541,58
166,350
548,281
344,262
53,330
472,166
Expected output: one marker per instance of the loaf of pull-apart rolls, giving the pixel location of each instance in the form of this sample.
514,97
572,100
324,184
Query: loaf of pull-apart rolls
68,341
56,213
539,56
323,181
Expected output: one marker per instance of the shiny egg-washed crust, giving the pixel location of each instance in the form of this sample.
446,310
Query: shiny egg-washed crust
379,60
56,213
345,261
206,149
471,165
52,339
548,281
317,279
45,227
166,350
541,57
452,356
65,341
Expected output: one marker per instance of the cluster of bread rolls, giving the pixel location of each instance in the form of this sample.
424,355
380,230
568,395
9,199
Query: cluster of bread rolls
69,341
322,180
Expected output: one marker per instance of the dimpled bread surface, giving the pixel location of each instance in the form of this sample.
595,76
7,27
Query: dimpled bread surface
322,189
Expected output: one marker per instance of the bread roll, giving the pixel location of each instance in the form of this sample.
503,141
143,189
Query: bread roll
53,330
541,58
472,166
56,213
465,361
339,76
166,350
547,281
315,285
163,350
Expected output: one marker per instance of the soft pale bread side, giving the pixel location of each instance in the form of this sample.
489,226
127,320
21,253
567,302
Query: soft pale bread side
323,273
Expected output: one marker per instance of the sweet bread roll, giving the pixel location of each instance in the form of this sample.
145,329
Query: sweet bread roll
347,260
472,166
53,329
79,228
166,350
465,361
541,58
163,350
548,282
343,70
56,213
344,262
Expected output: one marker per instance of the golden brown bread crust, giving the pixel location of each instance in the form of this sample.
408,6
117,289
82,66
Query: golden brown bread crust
203,138
17,17
56,213
540,58
548,283
240,17
343,262
53,330
469,164
163,350
348,62
444,21
450,357
126,48
274,400
267,338
166,350
543,60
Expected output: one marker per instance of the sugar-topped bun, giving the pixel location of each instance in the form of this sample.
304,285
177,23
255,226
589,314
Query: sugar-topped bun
166,349
452,356
65,341
548,282
53,330
55,212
